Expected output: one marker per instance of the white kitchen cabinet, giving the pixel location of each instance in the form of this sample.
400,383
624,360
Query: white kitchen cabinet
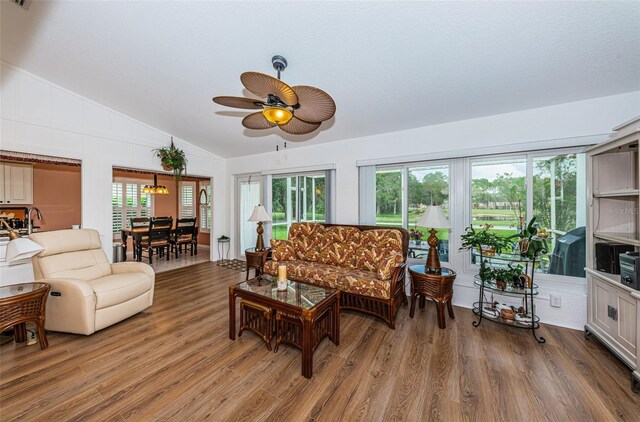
17,184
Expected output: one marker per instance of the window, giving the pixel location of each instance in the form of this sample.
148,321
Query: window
187,207
507,193
389,197
402,195
499,194
205,209
128,202
296,199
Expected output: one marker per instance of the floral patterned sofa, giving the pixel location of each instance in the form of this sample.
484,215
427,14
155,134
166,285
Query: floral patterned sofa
366,263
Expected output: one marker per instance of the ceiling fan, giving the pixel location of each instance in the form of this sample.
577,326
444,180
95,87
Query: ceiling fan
294,109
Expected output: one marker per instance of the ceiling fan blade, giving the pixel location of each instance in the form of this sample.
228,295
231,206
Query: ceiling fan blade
262,85
257,121
238,102
315,104
299,127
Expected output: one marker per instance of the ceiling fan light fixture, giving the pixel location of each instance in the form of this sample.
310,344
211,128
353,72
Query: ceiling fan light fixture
277,115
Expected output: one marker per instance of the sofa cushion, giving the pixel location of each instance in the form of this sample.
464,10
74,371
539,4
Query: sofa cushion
340,254
387,262
119,288
342,234
300,230
383,239
330,276
364,283
282,250
307,239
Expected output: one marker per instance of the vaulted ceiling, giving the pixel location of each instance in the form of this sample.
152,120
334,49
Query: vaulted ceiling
388,65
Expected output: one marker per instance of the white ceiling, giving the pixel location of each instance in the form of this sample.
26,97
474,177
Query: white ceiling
388,65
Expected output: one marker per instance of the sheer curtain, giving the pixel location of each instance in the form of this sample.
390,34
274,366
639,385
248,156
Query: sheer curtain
249,198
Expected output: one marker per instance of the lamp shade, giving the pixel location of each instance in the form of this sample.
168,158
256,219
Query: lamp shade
21,248
434,217
277,115
259,214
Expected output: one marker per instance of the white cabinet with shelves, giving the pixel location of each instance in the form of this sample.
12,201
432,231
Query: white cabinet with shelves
613,309
16,181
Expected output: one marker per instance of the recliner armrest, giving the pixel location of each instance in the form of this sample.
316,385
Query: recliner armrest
71,306
132,267
62,285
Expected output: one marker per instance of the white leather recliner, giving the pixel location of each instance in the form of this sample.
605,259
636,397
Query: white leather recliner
87,292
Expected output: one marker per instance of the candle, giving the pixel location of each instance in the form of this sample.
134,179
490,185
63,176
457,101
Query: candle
282,272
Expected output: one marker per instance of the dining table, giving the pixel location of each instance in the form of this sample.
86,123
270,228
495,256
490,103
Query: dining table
137,235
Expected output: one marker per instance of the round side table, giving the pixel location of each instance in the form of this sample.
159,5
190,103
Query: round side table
222,244
22,303
256,260
437,287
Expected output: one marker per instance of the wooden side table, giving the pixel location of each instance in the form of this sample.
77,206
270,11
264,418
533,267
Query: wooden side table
437,287
22,303
256,260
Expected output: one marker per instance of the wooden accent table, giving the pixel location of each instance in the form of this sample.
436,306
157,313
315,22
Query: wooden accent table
256,260
437,287
305,314
22,303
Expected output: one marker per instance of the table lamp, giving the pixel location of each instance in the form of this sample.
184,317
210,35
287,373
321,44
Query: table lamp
19,247
433,217
259,215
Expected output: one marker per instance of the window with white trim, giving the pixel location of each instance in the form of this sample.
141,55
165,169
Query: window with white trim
500,190
205,209
403,193
298,198
187,208
129,202
506,192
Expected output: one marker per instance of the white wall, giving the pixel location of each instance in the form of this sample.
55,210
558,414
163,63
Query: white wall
41,118
571,124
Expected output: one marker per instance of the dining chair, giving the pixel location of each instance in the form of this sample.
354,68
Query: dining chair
184,235
159,238
139,224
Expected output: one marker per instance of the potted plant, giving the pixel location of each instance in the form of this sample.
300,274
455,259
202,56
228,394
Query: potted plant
486,272
172,159
509,276
488,243
525,235
543,233
415,235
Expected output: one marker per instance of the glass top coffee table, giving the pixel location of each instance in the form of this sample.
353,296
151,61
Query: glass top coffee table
304,313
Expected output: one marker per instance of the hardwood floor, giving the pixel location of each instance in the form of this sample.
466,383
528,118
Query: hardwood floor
176,362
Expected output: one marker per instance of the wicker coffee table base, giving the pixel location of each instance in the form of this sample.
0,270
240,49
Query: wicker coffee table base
295,326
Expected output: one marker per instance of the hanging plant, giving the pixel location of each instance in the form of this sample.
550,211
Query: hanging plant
172,159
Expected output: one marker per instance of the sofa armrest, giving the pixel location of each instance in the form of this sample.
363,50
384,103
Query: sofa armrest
397,279
132,267
71,306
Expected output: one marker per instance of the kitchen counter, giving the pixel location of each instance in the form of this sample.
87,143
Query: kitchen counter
4,234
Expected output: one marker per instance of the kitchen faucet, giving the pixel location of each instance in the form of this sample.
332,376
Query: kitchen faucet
30,223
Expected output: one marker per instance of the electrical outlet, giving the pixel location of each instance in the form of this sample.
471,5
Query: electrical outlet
555,301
